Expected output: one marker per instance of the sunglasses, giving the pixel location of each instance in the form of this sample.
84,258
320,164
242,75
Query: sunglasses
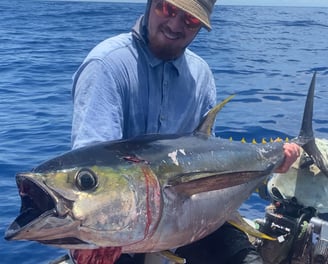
165,9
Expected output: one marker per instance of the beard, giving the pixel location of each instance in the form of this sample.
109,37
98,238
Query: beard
162,50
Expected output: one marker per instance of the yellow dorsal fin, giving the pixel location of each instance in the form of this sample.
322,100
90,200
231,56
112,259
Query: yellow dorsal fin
206,126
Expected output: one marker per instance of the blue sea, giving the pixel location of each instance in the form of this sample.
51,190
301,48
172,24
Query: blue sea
266,55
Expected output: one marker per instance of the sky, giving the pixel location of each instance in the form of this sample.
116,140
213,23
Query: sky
323,3
314,3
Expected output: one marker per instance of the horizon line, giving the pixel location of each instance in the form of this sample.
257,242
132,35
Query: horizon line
225,3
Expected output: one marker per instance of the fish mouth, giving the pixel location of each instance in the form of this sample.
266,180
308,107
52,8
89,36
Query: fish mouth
44,215
36,204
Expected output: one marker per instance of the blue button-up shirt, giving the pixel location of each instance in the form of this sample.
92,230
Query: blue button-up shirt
121,91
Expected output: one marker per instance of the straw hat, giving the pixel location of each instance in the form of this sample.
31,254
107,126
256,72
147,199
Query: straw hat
201,9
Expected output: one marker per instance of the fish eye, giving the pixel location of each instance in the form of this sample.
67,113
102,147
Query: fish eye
86,179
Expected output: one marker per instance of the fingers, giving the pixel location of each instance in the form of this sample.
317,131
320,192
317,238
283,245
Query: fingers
292,152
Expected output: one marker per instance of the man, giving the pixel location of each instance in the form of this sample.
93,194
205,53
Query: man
147,81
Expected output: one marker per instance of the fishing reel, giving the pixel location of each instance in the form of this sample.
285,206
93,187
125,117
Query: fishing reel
320,254
301,234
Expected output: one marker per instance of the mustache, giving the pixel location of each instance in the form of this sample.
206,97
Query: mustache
166,29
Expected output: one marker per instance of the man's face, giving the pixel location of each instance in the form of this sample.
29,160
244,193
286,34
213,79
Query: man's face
170,30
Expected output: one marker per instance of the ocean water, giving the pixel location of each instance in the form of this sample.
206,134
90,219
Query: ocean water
266,55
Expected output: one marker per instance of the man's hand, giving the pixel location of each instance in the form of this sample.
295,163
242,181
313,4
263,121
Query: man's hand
292,152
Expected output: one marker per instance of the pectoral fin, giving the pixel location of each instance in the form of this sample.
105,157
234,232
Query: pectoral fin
189,184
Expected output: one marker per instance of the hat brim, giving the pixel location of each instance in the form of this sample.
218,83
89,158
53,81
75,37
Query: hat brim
193,8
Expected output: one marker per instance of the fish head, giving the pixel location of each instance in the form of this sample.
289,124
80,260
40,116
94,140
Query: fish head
78,207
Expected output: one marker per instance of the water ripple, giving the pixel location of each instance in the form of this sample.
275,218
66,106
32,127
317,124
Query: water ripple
266,56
